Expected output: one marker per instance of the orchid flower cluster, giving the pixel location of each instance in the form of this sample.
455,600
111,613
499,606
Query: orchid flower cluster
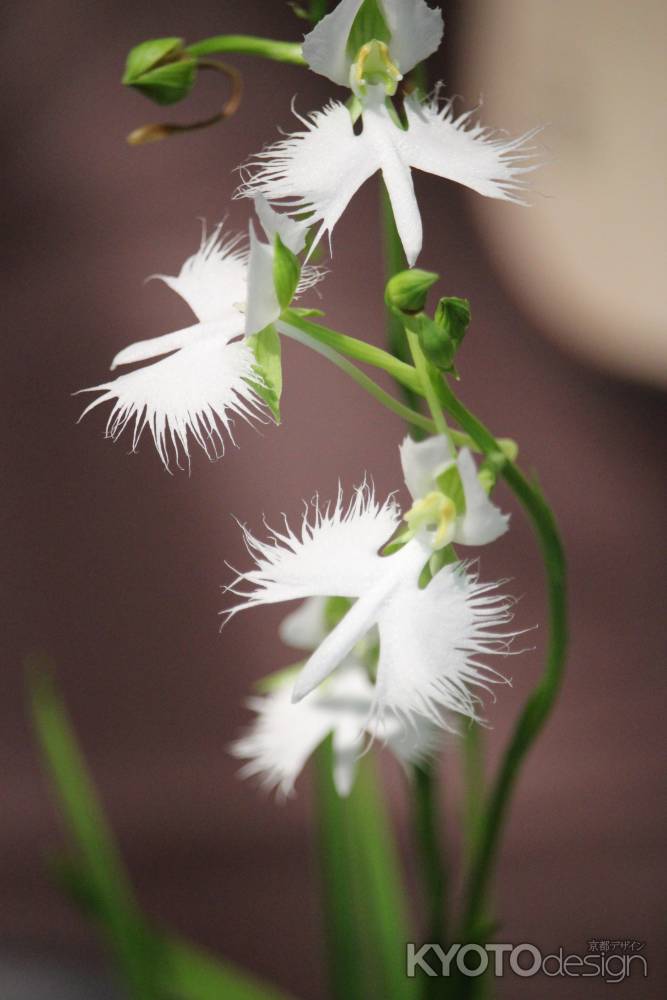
396,629
424,669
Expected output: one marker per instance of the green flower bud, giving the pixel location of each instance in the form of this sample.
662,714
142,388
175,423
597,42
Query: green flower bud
407,290
161,70
453,316
436,344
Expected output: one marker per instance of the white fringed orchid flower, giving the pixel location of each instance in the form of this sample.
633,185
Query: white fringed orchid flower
431,637
283,735
448,496
209,374
369,45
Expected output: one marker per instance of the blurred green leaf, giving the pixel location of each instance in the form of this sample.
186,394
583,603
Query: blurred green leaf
365,907
156,966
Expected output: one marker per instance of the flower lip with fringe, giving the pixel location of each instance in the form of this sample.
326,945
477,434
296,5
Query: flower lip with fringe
283,734
319,169
206,377
431,638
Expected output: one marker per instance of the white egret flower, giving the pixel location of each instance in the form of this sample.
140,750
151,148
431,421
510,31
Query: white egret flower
319,169
448,494
206,377
283,735
431,637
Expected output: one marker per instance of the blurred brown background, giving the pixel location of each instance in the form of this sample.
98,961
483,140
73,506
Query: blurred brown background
115,567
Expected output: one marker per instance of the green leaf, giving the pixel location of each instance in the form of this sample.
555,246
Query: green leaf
369,24
449,482
266,348
89,835
365,903
286,273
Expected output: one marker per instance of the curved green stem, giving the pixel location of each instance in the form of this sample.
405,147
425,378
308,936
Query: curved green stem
357,349
265,48
361,378
540,703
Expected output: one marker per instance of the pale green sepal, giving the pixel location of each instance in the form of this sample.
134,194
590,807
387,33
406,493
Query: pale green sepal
398,542
439,559
335,610
286,273
449,482
306,313
266,348
278,679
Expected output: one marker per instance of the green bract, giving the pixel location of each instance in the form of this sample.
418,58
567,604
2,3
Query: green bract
435,342
266,348
286,273
453,315
161,70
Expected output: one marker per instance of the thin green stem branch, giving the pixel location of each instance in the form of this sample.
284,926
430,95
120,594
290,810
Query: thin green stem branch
357,349
265,48
541,702
361,378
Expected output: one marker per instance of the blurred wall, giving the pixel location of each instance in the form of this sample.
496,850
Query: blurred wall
115,567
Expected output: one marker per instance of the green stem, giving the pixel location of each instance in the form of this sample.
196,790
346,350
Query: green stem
265,48
357,349
361,378
434,873
428,387
473,771
541,701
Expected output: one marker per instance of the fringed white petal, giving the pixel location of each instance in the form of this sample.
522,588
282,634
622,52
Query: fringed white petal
213,280
281,739
157,347
466,152
430,641
317,170
283,735
333,555
422,461
416,31
191,392
304,628
325,47
482,522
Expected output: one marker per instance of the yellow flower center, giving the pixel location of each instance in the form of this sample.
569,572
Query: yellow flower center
435,512
373,66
